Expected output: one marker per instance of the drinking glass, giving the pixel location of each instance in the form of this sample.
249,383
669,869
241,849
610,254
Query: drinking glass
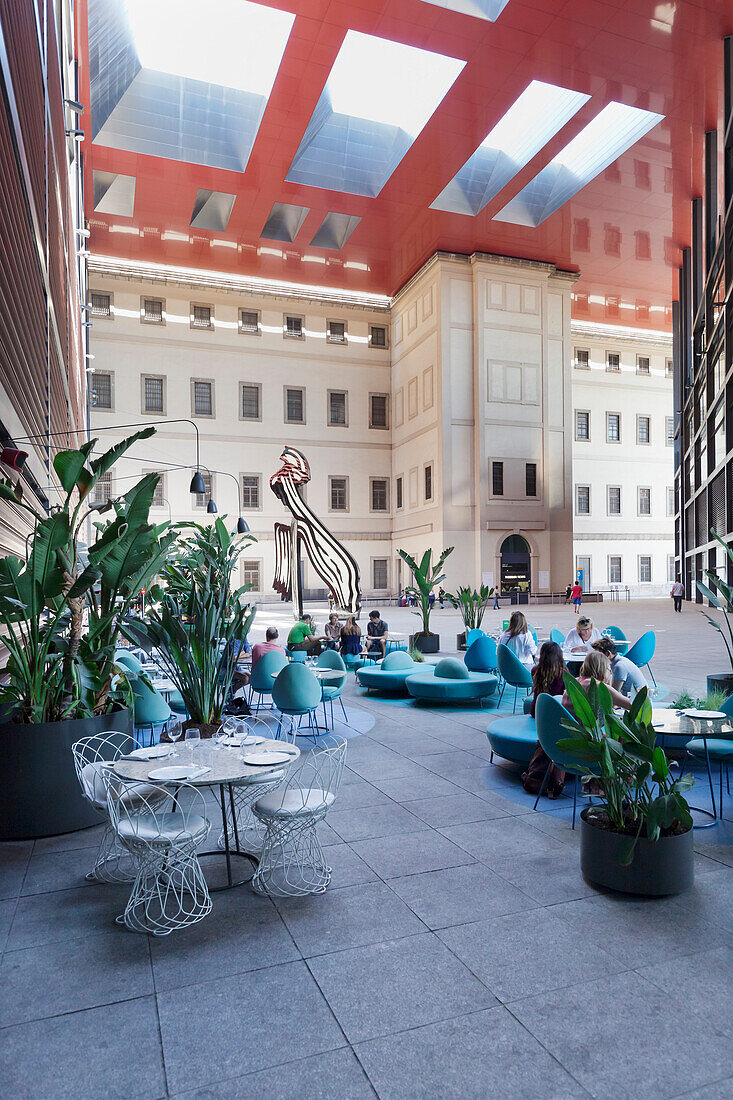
193,740
174,731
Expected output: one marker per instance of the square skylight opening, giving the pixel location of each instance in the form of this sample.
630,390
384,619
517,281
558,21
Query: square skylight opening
533,119
212,210
378,97
113,193
606,137
284,222
479,9
335,230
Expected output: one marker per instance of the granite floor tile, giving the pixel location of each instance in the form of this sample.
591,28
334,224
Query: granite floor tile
721,1090
336,1075
373,821
66,914
58,870
711,898
490,840
415,786
456,808
547,877
14,859
82,838
7,912
410,853
448,764
355,793
706,978
348,868
456,895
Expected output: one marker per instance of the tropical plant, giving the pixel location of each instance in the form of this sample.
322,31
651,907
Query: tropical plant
712,701
417,656
61,611
471,604
197,621
638,794
720,595
426,577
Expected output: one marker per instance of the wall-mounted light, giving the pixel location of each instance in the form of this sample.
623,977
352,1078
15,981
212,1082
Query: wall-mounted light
75,106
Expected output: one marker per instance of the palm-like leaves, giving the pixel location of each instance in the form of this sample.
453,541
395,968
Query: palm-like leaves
472,604
426,577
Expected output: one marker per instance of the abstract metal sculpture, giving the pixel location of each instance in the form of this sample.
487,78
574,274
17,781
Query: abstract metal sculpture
331,560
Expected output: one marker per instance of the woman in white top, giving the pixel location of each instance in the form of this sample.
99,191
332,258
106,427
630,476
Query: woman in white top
519,639
582,638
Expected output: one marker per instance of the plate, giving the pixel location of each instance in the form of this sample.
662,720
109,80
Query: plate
706,715
173,771
151,752
238,739
262,759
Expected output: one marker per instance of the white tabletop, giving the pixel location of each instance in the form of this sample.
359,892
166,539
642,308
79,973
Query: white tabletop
327,673
225,763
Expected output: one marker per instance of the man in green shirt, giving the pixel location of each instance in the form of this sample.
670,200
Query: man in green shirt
303,636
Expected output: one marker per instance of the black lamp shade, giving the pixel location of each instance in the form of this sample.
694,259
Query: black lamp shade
197,483
211,507
242,526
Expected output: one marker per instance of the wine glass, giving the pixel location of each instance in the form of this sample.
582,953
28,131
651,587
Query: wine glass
174,732
193,740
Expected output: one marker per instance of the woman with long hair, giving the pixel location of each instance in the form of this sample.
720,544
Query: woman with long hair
597,666
351,642
520,640
547,673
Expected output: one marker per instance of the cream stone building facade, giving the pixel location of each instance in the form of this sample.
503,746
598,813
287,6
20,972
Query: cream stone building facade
444,417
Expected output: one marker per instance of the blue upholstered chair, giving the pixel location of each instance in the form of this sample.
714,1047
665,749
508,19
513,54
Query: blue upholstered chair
642,652
177,705
129,662
263,675
619,638
513,672
557,636
390,674
481,655
715,750
150,710
297,656
473,635
296,692
549,714
513,738
332,689
450,682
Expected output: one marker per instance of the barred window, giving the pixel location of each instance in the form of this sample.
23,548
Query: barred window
201,317
337,408
250,491
202,499
429,482
582,426
377,336
153,310
582,359
203,399
336,332
101,305
645,502
152,394
379,494
249,322
339,494
497,479
378,406
251,574
613,427
530,479
582,500
398,491
614,500
613,361
642,364
669,426
643,429
614,569
250,401
101,382
294,327
103,489
294,406
645,569
159,493
379,573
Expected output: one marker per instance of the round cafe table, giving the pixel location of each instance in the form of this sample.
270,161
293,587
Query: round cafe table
694,723
240,785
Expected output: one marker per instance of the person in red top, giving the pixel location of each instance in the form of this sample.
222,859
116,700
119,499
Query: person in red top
270,643
576,592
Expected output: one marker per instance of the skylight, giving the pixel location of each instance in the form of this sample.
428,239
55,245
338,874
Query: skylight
614,130
535,117
232,43
378,97
479,9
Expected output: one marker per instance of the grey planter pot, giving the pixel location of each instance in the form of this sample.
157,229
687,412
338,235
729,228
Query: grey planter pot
426,643
721,681
461,641
658,868
39,792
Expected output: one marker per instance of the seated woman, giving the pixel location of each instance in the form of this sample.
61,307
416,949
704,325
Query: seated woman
597,666
519,639
626,677
583,636
547,673
332,631
350,638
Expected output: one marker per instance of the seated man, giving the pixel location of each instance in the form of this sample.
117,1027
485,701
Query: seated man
625,675
270,643
376,633
303,636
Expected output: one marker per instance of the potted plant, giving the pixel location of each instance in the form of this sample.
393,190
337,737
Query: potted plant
60,617
720,595
472,605
639,838
426,577
197,621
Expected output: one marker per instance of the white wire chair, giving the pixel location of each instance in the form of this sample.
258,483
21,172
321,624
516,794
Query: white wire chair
292,862
245,831
169,891
93,756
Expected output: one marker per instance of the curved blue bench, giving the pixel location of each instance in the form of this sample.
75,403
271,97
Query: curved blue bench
513,738
390,674
451,682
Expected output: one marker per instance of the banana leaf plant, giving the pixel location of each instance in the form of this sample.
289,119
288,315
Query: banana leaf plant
638,794
720,595
197,621
426,577
61,610
472,604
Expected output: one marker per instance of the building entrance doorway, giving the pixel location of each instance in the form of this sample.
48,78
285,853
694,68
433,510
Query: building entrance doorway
515,565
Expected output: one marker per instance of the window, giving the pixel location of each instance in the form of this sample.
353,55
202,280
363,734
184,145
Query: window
642,245
250,491
339,494
153,394
582,359
159,498
250,401
670,501
379,574
101,385
530,479
614,500
613,427
249,322
497,479
669,368
294,405
101,304
379,494
669,429
378,410
399,491
103,489
377,336
293,328
336,333
642,364
337,415
202,499
582,426
251,575
613,361
645,502
201,317
614,569
582,500
671,569
643,429
428,481
645,569
202,398
151,311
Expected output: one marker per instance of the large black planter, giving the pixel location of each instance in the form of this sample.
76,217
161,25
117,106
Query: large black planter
721,681
39,792
661,867
426,643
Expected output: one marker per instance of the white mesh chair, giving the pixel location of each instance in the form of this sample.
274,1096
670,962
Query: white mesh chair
161,832
245,831
292,863
92,757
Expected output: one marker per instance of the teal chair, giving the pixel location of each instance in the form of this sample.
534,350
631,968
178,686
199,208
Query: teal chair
177,705
296,692
619,638
481,655
513,673
473,635
451,682
129,662
557,636
715,750
642,652
150,709
297,656
332,689
513,738
263,675
390,674
549,715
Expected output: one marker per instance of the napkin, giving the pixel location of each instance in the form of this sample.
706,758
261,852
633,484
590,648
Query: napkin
151,752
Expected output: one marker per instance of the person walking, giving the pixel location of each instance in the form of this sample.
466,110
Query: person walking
568,590
496,600
576,593
441,597
677,593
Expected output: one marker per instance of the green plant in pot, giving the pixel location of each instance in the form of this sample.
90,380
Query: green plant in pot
720,595
638,838
426,576
60,618
197,621
472,604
